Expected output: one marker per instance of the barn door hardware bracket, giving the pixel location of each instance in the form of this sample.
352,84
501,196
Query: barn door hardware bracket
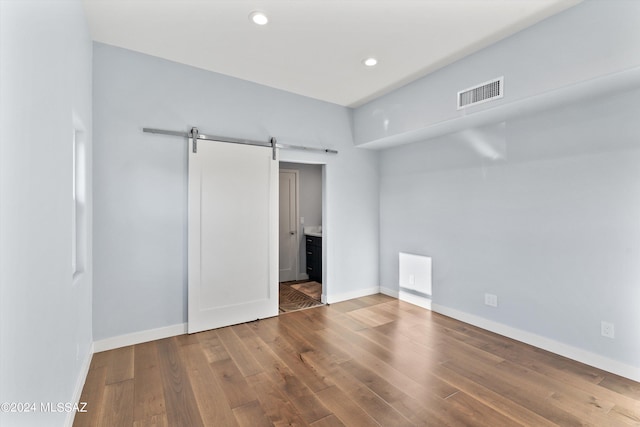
274,143
194,135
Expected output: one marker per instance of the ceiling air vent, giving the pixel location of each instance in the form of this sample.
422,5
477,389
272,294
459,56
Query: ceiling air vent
483,92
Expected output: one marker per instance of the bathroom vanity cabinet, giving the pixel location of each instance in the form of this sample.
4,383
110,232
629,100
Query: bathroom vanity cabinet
314,257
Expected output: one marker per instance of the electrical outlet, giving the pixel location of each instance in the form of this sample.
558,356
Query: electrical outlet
607,329
412,279
491,300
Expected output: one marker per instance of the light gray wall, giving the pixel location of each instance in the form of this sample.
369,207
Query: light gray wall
141,189
45,318
310,202
542,211
532,197
310,192
592,39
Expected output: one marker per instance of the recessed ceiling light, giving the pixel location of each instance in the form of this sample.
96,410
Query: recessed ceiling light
370,62
258,17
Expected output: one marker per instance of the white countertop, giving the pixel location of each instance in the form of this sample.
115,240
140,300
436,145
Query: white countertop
315,231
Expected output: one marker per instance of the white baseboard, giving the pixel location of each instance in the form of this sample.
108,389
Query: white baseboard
407,297
574,353
415,299
139,337
389,292
77,391
332,299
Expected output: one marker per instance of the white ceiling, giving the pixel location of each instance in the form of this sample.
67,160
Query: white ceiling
315,47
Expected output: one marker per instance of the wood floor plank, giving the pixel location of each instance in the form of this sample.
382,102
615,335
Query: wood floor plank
371,317
528,395
529,356
148,395
153,421
343,407
402,375
328,421
187,339
474,413
417,403
269,329
283,378
292,359
118,404
92,394
407,384
368,361
375,299
377,384
276,405
421,403
212,346
349,305
570,399
586,379
625,416
621,386
238,352
305,318
120,367
498,402
383,355
374,405
208,391
235,386
179,398
302,339
251,414
395,396
101,359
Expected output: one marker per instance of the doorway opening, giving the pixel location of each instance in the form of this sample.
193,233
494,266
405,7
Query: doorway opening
300,236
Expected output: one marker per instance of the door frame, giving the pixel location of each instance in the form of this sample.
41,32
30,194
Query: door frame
293,157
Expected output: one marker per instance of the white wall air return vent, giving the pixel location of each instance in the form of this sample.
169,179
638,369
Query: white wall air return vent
483,92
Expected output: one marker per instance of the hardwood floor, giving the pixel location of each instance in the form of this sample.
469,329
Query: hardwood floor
365,362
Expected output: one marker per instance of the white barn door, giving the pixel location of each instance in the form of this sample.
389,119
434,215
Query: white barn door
232,237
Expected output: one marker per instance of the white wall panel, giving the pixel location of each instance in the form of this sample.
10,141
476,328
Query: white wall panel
45,313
